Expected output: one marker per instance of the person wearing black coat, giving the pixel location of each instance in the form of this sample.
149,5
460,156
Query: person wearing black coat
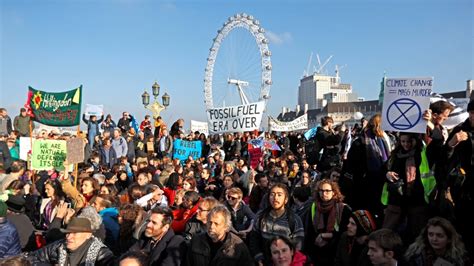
158,240
80,248
218,246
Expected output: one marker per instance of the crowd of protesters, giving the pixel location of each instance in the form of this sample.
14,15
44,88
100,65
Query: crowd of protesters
358,196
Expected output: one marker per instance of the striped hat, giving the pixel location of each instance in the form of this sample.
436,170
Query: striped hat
365,222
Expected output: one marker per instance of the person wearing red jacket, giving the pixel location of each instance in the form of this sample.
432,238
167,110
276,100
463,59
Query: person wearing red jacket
284,253
186,211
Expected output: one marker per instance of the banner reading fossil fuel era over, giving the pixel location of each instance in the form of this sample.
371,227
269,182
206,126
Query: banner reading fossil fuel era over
55,108
296,124
238,118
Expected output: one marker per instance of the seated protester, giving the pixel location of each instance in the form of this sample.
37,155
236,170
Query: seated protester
438,244
132,194
275,220
197,224
79,247
173,183
352,248
218,246
64,215
154,197
325,221
301,201
284,253
242,215
186,211
385,248
133,258
130,219
16,215
256,196
159,240
9,238
48,205
103,204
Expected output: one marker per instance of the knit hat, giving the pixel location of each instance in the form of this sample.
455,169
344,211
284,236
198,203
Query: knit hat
3,209
365,222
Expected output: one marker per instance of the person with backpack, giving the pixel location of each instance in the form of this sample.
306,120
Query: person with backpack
276,220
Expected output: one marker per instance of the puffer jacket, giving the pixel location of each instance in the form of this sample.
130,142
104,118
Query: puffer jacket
9,239
55,253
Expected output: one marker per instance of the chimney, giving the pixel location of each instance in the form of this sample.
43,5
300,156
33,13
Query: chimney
305,108
283,111
297,109
469,88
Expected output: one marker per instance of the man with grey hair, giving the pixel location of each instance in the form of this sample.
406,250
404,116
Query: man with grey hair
218,246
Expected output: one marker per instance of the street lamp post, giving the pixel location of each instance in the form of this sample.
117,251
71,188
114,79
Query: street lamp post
155,107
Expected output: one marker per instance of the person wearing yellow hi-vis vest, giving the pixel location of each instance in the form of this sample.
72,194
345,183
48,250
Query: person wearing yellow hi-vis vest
404,191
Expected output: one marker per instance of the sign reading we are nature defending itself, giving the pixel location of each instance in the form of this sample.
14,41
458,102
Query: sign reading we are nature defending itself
48,154
55,109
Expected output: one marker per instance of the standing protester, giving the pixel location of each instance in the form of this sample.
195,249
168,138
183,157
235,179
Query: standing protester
5,122
119,144
92,127
108,125
124,123
22,123
329,141
145,126
460,147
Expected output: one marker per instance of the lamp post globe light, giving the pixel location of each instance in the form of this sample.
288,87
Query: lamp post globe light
155,107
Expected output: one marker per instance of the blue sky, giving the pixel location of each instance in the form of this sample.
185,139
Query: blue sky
116,49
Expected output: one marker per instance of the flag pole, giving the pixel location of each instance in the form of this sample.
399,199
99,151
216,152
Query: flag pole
76,170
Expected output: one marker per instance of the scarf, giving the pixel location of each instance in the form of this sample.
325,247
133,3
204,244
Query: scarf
377,151
328,208
91,256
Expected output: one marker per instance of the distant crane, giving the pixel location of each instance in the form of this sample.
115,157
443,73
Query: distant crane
306,72
338,69
321,66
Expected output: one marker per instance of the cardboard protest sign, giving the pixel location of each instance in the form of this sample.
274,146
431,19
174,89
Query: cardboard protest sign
75,150
25,147
55,109
405,100
296,124
97,110
183,148
238,118
202,127
48,154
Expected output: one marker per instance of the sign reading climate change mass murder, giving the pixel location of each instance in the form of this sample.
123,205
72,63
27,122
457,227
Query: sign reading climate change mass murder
238,118
405,100
296,124
55,109
183,149
48,154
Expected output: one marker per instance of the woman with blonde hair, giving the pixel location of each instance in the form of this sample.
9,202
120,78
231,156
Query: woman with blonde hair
437,244
365,163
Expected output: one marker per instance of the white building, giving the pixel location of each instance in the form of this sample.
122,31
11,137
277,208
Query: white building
318,90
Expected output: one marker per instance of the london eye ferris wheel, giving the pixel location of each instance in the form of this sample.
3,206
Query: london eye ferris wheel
239,65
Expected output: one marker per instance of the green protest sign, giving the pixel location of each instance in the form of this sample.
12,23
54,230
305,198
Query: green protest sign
55,109
48,154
